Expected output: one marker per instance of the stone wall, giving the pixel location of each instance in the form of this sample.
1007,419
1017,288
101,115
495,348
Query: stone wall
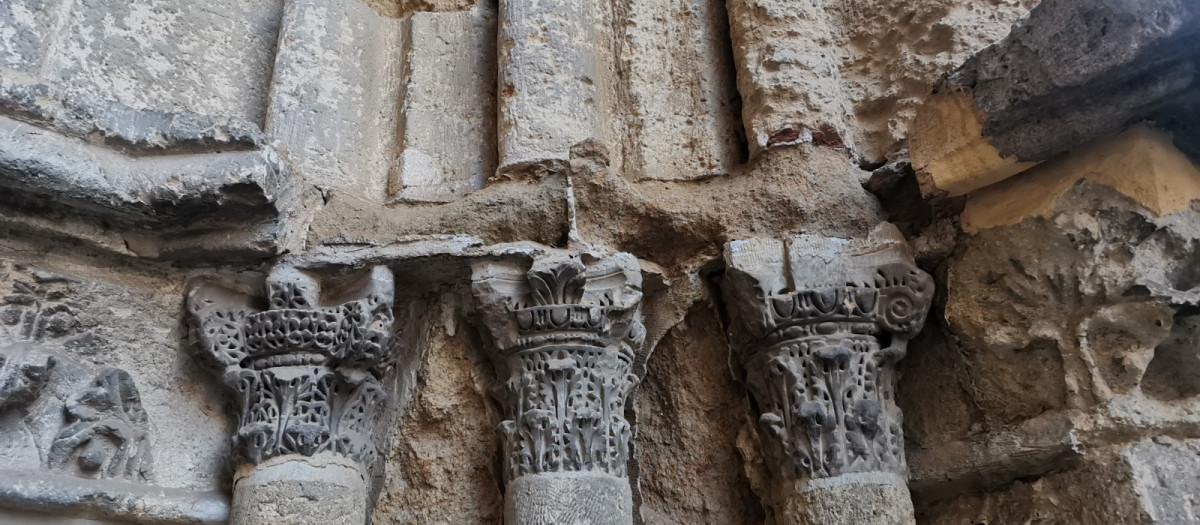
661,262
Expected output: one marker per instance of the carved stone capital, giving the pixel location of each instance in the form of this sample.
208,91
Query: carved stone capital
820,324
305,375
564,336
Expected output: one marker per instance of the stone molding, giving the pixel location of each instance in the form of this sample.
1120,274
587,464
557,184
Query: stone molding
305,376
819,324
564,338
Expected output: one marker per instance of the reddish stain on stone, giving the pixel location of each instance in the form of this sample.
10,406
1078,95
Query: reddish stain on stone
787,135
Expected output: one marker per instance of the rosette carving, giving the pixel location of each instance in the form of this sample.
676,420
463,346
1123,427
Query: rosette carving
305,375
820,324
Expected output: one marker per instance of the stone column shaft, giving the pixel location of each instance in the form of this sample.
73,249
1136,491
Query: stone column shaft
564,340
305,378
548,81
820,324
788,73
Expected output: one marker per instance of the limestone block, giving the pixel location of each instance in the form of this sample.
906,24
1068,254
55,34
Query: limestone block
992,460
212,58
334,94
1073,72
448,119
787,66
1140,162
682,90
56,499
948,150
895,49
1084,309
548,82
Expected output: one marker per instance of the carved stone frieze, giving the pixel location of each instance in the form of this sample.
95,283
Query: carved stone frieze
565,338
820,324
305,376
107,435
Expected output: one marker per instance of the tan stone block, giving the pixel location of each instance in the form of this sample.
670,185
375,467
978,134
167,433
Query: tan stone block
1140,162
948,150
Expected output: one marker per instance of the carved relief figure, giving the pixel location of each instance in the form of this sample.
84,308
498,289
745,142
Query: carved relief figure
108,433
104,429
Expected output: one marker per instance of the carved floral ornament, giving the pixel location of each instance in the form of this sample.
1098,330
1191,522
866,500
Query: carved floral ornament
820,324
305,376
564,340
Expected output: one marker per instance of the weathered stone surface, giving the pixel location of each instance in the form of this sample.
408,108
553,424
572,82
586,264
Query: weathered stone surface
1071,314
1148,482
325,489
1140,162
1072,73
874,498
687,127
690,410
446,444
334,94
564,337
1035,447
788,74
159,144
894,50
58,307
819,324
548,83
569,497
29,498
116,63
448,119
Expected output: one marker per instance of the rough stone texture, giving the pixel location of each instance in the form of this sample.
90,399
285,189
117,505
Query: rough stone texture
1166,180
895,50
320,490
687,127
788,74
209,59
548,81
446,445
156,142
1148,482
574,498
877,499
690,410
1072,73
1026,85
334,94
1073,317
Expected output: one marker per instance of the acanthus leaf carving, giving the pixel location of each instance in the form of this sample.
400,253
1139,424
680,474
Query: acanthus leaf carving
305,375
820,356
565,337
